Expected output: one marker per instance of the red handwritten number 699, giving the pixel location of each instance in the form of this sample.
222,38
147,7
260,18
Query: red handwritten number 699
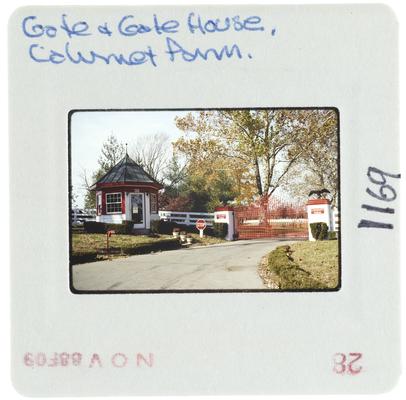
347,363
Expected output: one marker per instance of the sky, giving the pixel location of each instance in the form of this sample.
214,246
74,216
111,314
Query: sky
90,129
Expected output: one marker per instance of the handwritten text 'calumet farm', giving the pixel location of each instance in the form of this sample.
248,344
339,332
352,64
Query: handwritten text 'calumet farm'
42,49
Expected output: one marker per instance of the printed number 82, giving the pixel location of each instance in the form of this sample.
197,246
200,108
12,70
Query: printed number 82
347,363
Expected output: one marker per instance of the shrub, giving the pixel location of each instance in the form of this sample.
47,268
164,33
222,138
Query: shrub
145,248
125,228
220,230
155,225
319,230
287,274
83,257
165,227
94,227
324,232
332,235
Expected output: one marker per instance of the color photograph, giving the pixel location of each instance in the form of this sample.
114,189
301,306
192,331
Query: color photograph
204,200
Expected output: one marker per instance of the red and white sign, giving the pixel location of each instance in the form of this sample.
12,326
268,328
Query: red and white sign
219,216
317,211
201,224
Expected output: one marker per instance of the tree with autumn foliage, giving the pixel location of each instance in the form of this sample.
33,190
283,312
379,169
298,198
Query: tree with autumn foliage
317,167
254,149
200,190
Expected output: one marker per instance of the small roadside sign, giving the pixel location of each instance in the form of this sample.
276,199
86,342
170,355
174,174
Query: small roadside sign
201,226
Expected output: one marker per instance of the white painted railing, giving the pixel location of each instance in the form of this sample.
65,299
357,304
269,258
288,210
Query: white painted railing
186,218
80,215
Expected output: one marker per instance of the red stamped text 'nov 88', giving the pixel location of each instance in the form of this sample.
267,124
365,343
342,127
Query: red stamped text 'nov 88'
93,360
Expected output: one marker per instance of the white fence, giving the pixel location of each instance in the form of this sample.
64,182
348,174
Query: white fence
80,215
186,218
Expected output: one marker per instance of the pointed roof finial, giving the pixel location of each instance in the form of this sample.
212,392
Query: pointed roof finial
126,149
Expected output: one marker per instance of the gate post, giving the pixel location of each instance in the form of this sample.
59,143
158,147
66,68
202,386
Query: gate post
225,215
319,210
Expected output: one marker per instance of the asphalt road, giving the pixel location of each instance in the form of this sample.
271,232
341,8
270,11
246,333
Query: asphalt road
225,266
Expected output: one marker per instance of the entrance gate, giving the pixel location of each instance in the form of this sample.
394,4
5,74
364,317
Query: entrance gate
271,218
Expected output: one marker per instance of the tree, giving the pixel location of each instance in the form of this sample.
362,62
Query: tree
261,149
175,176
112,152
152,152
198,190
178,203
208,189
209,152
90,198
260,146
174,186
318,166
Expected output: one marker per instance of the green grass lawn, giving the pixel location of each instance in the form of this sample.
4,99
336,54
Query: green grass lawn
87,247
206,240
90,242
303,265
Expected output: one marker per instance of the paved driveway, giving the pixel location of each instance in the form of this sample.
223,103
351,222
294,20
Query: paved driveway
225,266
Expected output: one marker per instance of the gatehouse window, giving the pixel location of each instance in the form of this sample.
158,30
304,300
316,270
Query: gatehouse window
154,203
113,203
99,204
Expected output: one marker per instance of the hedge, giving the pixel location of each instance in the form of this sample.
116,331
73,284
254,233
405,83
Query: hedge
125,228
94,227
85,257
163,227
220,230
170,244
144,248
332,235
287,274
319,230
